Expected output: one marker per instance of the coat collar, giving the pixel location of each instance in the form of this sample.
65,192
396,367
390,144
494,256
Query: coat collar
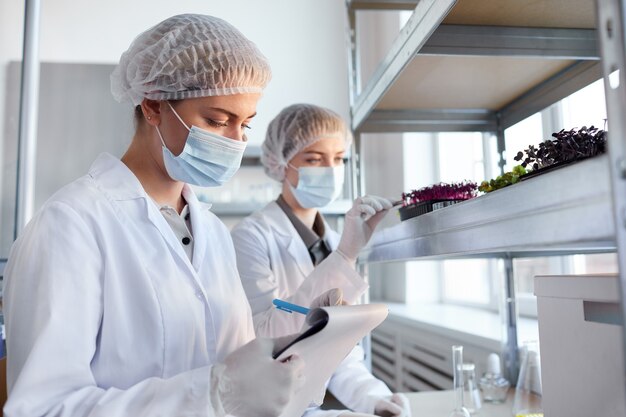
120,184
281,225
287,237
278,221
116,179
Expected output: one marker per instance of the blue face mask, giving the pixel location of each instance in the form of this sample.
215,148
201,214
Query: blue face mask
317,186
207,160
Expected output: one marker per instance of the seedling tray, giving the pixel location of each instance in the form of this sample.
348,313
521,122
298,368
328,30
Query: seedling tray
414,210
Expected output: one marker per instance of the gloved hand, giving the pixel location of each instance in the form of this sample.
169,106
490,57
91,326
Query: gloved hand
395,406
360,222
333,297
235,387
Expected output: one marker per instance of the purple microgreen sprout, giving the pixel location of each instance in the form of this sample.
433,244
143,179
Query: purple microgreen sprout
567,146
464,190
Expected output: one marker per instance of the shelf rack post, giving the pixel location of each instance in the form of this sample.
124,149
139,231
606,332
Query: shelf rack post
354,67
501,144
29,101
508,315
356,179
611,19
357,188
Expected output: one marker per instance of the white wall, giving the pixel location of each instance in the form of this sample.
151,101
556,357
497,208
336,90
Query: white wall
304,40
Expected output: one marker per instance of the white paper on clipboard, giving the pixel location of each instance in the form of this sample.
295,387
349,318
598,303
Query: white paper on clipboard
323,351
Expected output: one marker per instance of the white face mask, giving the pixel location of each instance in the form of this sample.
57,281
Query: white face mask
207,160
318,186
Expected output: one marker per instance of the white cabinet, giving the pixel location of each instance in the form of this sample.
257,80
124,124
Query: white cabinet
581,331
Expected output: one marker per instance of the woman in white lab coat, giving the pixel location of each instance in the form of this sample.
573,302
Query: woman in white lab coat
122,296
287,250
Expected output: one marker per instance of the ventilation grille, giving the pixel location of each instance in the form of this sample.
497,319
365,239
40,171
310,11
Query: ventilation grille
384,358
424,368
409,359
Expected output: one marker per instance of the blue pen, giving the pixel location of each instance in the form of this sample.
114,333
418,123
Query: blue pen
288,307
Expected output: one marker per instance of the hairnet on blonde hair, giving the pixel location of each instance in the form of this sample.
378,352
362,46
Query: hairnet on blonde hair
295,128
188,56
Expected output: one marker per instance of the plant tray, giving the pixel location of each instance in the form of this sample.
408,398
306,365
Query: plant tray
414,210
549,168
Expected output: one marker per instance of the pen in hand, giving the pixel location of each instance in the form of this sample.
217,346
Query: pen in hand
288,307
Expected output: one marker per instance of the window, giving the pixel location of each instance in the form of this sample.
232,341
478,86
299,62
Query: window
525,270
461,157
467,281
585,107
520,136
443,157
449,157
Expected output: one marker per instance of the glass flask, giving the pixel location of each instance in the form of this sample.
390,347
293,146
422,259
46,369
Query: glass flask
457,366
493,385
471,395
528,393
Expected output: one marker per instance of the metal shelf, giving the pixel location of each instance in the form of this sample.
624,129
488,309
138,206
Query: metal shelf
510,59
461,65
565,211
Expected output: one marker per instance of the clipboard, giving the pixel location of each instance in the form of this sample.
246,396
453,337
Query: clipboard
332,334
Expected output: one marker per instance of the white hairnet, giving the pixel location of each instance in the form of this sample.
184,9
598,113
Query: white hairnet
295,128
187,56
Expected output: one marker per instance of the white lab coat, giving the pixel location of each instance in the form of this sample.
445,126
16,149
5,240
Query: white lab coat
274,262
105,314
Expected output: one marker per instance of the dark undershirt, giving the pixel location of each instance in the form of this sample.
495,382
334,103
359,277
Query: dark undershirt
313,239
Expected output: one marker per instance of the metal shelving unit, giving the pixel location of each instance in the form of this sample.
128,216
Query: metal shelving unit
537,217
461,65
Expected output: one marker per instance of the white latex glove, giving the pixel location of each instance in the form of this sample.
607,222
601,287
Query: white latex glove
236,388
360,222
395,406
333,297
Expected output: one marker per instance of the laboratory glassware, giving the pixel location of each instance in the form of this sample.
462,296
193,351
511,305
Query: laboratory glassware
457,366
471,395
492,384
528,393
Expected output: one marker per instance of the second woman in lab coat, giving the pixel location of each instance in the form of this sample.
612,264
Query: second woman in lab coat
288,251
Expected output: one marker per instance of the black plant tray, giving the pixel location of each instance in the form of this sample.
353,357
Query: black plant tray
414,210
552,167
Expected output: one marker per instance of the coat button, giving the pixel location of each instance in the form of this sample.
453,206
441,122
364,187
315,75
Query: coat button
199,295
186,240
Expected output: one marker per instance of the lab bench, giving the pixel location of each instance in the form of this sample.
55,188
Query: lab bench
441,403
